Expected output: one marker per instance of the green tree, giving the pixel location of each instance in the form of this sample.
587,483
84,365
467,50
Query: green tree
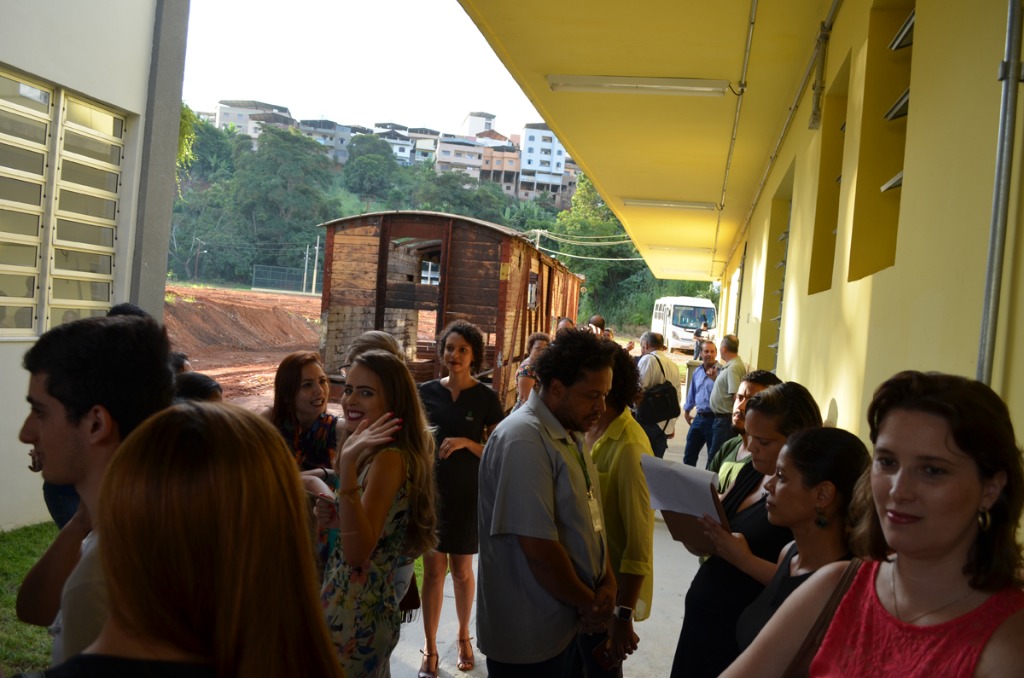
370,175
621,290
369,144
280,193
213,154
604,272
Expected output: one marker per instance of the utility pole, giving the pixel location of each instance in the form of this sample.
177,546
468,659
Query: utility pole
305,268
316,256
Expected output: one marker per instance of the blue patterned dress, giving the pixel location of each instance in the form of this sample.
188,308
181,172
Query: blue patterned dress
360,601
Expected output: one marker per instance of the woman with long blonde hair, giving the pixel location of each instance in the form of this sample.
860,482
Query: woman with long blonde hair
384,509
206,553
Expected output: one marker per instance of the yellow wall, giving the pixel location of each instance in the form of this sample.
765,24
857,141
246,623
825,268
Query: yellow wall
923,312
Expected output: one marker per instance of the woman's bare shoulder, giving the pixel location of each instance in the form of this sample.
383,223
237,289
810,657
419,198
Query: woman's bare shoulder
1004,653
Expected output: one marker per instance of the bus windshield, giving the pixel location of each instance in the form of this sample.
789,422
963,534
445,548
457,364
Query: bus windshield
690,317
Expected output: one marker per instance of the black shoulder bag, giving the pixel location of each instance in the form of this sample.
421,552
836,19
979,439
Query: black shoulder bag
660,403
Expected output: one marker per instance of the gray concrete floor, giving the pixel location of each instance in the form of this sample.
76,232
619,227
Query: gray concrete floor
674,568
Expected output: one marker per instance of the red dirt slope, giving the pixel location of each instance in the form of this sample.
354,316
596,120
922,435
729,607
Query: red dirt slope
238,337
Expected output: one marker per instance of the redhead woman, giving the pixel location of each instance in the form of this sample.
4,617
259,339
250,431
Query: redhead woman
810,494
526,375
300,411
384,510
941,594
720,591
462,412
229,587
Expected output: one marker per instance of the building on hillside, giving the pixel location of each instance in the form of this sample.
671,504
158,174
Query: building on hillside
500,164
239,114
332,136
424,143
492,138
257,121
459,154
88,142
475,123
401,145
543,165
358,129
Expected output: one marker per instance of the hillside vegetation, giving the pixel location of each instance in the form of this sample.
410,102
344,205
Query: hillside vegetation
239,206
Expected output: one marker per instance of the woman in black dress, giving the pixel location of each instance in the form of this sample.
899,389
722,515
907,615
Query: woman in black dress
462,411
810,494
721,590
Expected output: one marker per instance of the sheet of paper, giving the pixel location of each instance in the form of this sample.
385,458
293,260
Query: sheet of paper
677,487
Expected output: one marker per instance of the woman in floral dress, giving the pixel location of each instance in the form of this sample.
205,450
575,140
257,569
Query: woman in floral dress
384,510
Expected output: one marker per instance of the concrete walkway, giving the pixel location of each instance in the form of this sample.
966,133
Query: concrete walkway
674,568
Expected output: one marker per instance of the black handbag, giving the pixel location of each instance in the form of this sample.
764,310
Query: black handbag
660,403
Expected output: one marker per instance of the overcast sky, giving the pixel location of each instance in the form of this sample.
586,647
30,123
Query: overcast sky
419,63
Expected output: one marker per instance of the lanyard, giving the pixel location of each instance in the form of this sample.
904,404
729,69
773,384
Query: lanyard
583,465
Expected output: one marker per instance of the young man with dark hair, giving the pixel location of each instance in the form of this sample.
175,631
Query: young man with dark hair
541,521
93,381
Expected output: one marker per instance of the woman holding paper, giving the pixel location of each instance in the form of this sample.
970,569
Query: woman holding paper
720,591
810,494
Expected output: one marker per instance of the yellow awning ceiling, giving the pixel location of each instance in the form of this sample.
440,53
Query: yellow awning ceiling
658,147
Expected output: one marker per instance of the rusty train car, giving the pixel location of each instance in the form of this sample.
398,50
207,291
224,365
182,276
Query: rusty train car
410,273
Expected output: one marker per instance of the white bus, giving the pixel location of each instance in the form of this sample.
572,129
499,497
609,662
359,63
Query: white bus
676,318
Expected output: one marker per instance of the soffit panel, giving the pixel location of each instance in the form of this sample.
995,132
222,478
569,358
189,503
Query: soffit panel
656,146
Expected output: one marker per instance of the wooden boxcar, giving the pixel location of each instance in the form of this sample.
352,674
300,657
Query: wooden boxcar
410,273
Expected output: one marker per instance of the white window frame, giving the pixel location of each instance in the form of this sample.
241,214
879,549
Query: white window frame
48,308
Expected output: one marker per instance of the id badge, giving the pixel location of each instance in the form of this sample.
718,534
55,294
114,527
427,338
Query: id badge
595,511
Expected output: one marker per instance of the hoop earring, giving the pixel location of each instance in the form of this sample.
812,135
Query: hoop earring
819,519
984,520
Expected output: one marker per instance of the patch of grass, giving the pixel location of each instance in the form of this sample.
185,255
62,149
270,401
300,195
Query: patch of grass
22,647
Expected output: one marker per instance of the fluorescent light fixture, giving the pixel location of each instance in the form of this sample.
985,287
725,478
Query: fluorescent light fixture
678,271
670,204
693,87
674,248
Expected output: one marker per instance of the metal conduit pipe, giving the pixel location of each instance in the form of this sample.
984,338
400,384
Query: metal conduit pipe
735,129
1009,73
827,25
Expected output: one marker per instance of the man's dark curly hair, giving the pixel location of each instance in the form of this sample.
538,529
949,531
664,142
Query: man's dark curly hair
625,380
572,353
473,336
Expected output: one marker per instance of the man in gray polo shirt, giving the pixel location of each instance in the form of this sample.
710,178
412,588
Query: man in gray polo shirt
543,572
724,392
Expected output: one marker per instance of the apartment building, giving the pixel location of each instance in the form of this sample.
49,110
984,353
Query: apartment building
459,154
395,135
332,136
247,116
501,165
474,123
543,164
424,143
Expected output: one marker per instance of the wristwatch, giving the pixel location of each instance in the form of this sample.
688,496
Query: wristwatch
623,613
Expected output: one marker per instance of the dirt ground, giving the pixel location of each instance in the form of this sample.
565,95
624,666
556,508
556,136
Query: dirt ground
238,337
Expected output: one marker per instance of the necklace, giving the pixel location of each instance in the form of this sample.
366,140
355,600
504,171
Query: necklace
896,603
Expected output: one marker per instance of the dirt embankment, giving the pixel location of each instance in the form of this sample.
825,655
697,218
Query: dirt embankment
238,337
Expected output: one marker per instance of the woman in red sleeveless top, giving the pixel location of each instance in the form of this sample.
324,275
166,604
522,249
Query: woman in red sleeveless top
941,595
